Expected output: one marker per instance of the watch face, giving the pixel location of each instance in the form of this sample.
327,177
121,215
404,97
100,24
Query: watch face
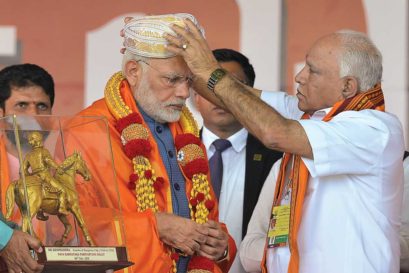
219,73
215,77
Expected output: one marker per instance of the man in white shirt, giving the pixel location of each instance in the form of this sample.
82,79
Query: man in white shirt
251,248
246,163
338,199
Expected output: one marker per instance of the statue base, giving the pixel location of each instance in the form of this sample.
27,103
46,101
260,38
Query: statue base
80,259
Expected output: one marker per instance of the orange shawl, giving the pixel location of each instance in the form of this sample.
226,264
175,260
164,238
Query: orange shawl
143,244
371,99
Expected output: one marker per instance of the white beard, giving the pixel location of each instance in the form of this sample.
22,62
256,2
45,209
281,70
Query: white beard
153,107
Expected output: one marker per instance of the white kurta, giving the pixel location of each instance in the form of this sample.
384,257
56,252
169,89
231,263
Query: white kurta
351,211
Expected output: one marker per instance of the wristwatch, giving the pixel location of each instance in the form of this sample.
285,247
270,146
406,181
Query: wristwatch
215,77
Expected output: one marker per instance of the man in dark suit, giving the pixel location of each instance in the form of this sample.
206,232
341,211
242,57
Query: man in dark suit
246,161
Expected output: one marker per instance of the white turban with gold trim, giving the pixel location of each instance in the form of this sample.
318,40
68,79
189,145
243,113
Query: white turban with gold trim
144,36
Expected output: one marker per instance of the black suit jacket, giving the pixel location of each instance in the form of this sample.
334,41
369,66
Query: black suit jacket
259,161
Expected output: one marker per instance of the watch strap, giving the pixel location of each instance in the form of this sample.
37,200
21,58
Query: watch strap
215,77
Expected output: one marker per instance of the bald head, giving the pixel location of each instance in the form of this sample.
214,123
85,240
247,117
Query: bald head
337,67
357,57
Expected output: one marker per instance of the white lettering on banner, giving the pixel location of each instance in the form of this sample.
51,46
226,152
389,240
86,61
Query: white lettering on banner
88,254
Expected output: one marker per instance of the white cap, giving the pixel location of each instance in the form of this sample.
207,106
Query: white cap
144,36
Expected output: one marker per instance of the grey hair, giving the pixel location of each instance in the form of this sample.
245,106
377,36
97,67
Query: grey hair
129,56
359,58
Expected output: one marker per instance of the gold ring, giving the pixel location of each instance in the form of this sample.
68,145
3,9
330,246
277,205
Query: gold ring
184,46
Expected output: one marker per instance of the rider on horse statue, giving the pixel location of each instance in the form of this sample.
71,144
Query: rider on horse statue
40,161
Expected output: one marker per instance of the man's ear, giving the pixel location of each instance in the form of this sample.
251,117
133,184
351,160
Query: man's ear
2,112
195,98
133,73
350,87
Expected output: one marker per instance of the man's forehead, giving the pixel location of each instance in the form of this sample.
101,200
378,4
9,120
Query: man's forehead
175,64
26,88
168,61
325,49
329,44
34,91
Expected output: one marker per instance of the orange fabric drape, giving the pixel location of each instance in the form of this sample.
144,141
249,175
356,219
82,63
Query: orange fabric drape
4,174
5,180
144,246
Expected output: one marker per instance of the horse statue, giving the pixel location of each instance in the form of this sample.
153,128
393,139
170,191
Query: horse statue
42,197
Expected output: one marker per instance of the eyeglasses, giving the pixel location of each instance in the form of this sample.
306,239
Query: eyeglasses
170,80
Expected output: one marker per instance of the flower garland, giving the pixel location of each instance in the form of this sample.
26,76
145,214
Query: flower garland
194,165
144,180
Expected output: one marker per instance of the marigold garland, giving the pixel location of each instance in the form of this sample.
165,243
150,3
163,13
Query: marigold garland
193,163
137,147
124,122
144,182
185,139
196,166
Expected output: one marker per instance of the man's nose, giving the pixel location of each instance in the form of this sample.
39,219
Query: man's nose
32,110
300,77
183,90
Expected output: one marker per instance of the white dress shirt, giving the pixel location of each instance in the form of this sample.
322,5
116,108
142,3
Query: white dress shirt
352,207
252,247
232,191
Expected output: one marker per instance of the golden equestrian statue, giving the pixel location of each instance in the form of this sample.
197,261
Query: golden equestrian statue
55,195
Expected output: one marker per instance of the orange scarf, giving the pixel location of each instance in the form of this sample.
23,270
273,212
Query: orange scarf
371,99
149,174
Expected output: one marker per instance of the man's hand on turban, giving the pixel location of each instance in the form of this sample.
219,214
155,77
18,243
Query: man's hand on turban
181,233
196,51
197,56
